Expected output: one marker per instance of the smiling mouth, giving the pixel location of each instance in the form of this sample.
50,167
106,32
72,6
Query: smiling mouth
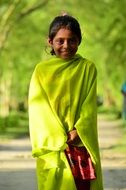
65,52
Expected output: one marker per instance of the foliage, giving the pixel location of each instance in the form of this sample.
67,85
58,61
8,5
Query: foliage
14,126
23,33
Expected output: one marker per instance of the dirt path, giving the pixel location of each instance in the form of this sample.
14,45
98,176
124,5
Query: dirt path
113,161
17,168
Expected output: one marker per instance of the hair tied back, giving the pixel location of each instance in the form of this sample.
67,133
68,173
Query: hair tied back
63,13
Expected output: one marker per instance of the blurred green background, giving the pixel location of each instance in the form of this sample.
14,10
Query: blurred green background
23,43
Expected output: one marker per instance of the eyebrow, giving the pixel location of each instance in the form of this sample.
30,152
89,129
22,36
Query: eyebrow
74,37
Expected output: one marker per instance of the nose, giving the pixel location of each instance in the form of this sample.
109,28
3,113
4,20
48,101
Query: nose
66,44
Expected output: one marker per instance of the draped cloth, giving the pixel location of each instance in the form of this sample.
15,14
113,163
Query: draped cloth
62,96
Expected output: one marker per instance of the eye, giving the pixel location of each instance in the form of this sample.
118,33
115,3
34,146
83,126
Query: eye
73,41
59,41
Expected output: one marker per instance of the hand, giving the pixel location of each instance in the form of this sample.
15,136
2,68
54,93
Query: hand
73,137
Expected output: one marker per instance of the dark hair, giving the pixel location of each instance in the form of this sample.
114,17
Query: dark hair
65,21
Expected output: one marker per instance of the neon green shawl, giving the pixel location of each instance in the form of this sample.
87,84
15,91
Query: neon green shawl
62,96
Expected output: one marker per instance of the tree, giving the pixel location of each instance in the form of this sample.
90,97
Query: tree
23,30
11,15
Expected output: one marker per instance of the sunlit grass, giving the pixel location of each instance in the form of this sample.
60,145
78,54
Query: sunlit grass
110,113
14,126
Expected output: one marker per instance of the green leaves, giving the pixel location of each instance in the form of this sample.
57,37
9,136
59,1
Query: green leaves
24,29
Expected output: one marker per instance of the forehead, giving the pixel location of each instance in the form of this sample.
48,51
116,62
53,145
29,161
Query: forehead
64,33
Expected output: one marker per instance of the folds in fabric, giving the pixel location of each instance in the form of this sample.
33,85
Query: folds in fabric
62,96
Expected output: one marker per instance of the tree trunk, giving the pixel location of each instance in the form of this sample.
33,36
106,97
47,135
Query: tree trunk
5,87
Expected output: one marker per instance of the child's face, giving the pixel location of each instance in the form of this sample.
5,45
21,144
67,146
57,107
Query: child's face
65,43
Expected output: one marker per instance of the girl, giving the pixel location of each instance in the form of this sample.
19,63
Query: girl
62,114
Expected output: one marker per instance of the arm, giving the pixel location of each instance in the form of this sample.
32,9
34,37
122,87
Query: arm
46,131
86,108
86,124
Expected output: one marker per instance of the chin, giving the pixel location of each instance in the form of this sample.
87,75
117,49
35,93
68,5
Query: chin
67,57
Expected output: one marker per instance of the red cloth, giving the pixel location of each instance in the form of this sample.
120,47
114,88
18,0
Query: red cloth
82,184
80,163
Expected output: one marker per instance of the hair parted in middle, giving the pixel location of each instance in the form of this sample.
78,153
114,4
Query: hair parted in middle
64,21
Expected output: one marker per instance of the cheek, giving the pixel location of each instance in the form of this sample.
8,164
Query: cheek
74,48
56,48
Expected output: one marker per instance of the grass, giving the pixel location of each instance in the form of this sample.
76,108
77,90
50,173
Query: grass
14,126
110,113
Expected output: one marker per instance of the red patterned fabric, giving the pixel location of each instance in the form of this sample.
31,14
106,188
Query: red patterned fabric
82,184
80,163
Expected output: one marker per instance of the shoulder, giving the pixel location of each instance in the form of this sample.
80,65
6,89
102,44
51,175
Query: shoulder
86,61
90,66
89,63
42,65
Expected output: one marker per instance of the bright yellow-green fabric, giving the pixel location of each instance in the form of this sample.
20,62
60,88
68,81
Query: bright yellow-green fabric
62,96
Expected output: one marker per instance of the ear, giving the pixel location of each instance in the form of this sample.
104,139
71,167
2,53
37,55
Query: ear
50,42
